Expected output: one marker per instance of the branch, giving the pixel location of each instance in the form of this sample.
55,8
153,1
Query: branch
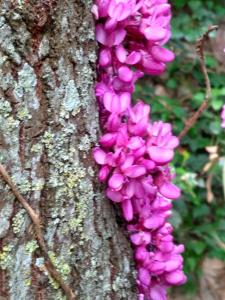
39,235
200,51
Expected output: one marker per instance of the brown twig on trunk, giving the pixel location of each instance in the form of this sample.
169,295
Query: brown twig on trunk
39,235
200,51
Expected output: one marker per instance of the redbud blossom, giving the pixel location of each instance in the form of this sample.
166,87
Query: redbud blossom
135,152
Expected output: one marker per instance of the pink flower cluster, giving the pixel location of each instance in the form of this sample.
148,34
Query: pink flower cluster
134,152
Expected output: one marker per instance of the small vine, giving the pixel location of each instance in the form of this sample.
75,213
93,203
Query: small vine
35,218
200,50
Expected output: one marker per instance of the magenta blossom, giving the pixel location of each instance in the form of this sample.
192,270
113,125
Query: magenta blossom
134,152
223,117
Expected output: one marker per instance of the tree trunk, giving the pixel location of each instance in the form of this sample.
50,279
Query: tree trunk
48,126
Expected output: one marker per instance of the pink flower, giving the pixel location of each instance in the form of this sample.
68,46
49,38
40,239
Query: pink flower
162,54
176,277
158,293
155,221
99,156
130,59
103,173
135,171
134,152
105,58
141,238
169,190
125,74
101,6
109,39
120,9
116,103
160,155
127,209
116,182
144,276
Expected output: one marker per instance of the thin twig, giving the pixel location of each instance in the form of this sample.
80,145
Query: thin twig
200,51
39,235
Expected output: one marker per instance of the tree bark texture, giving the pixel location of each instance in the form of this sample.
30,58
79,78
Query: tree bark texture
48,126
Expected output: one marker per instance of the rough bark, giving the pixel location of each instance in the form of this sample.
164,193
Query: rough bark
48,125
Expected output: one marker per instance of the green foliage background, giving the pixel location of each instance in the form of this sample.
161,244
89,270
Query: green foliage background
199,216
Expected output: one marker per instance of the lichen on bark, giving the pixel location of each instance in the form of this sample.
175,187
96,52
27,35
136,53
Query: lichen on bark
48,126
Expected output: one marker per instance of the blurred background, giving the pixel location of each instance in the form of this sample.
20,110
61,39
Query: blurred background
199,216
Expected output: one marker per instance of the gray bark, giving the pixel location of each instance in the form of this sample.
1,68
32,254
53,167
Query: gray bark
48,126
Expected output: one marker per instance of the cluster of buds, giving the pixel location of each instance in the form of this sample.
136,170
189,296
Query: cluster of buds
135,152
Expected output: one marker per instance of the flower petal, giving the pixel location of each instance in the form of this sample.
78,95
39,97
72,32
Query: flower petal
114,195
101,34
162,54
105,57
121,53
125,100
133,58
103,173
135,171
116,181
160,155
170,190
99,156
175,278
154,222
155,33
125,74
108,140
127,209
119,36
144,276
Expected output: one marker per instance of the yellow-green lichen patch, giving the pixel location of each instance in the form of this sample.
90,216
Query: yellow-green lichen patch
11,124
37,148
5,257
53,283
76,223
18,223
58,295
31,246
27,281
7,122
48,140
60,264
38,184
72,179
23,113
5,108
22,182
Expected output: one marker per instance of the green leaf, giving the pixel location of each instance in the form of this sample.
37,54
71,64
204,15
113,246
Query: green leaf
217,104
192,263
197,246
215,127
200,212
